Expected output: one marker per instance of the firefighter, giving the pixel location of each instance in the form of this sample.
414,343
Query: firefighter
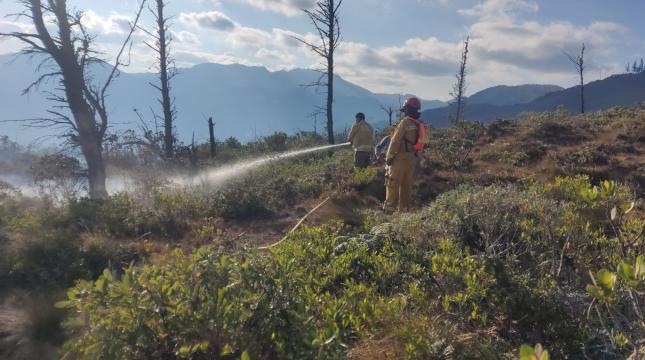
362,139
401,158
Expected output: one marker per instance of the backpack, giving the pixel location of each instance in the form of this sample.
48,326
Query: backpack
381,147
423,138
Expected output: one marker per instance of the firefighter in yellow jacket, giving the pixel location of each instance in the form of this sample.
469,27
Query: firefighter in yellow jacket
401,159
362,139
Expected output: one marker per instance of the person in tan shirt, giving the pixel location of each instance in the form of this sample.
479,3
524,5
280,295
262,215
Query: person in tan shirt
401,159
362,139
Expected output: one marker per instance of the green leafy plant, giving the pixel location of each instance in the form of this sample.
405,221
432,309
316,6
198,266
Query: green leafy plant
603,286
528,352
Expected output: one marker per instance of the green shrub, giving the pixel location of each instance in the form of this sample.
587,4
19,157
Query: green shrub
44,248
584,157
39,254
205,307
362,177
276,142
453,147
241,201
618,295
311,298
496,220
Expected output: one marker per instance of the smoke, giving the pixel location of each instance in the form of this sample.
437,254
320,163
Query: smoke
22,183
211,178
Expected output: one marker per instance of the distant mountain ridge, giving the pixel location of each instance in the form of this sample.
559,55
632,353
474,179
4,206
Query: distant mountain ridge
245,102
511,95
616,90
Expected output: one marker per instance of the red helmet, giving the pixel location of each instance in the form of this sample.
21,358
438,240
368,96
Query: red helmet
412,102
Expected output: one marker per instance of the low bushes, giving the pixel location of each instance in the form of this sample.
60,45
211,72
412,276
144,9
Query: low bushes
474,275
312,298
40,249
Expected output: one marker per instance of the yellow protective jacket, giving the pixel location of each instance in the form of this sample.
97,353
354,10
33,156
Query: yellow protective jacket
403,139
362,136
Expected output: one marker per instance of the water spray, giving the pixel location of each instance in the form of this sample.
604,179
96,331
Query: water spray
218,176
208,178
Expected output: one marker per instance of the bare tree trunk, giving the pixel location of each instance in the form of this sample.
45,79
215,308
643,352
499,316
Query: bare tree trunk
579,62
330,73
389,111
164,77
324,17
95,168
582,87
90,137
459,89
211,131
193,153
330,101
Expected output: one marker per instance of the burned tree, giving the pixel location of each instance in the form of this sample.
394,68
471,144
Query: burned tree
319,110
211,132
324,18
459,89
82,112
579,62
166,67
390,112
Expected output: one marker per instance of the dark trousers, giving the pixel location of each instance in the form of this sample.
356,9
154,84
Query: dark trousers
362,159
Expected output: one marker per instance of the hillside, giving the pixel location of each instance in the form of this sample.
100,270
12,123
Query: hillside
497,253
511,95
617,90
245,102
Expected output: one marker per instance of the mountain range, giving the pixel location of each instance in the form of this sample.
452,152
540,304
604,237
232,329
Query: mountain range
616,90
511,95
250,102
245,102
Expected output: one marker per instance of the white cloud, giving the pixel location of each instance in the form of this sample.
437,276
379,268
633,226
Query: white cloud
276,56
213,20
8,45
275,49
421,57
500,9
242,37
285,7
536,46
505,49
113,24
21,26
186,39
421,66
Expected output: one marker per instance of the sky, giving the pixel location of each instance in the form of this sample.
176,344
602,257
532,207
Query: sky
389,46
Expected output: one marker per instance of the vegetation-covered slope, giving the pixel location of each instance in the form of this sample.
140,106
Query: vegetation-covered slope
521,242
511,95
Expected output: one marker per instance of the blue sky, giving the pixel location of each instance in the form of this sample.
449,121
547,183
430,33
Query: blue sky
394,46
